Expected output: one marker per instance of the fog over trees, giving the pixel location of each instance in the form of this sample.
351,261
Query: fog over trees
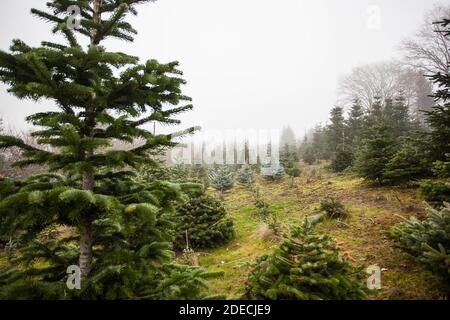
98,201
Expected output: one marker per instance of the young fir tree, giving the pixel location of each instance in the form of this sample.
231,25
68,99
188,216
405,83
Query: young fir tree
319,143
308,155
396,113
341,157
221,178
335,131
409,161
204,220
118,227
375,153
288,146
293,171
427,240
199,173
354,124
245,175
306,266
272,171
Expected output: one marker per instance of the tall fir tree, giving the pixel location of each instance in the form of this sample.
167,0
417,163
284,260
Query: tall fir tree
337,142
119,226
396,113
318,143
375,152
354,124
335,131
288,146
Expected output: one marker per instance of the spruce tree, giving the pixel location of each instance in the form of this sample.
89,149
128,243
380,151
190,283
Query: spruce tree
245,175
309,155
427,240
397,116
119,225
375,153
292,170
342,159
354,124
335,130
439,117
288,146
272,171
409,161
204,220
221,178
319,143
305,266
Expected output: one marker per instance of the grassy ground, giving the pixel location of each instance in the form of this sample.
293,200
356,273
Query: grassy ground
362,238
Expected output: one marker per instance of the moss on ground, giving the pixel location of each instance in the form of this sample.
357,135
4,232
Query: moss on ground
362,237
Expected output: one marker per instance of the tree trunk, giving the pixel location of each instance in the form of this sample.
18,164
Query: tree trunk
86,241
86,232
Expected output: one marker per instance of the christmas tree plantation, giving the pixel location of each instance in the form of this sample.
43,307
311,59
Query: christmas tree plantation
89,209
306,266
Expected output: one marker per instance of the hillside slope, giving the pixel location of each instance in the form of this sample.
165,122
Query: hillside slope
362,237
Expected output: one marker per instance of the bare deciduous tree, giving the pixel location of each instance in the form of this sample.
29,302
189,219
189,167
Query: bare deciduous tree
429,49
385,80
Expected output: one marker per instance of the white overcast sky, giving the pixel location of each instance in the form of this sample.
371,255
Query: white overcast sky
248,63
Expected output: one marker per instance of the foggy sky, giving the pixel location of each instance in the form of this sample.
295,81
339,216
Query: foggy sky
248,63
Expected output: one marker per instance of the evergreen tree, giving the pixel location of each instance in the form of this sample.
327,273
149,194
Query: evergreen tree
319,144
221,178
293,171
200,173
306,266
288,150
375,153
424,100
342,159
397,116
376,109
435,193
205,221
341,156
2,159
354,124
442,168
409,161
335,130
427,240
309,155
272,172
90,188
245,175
439,117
